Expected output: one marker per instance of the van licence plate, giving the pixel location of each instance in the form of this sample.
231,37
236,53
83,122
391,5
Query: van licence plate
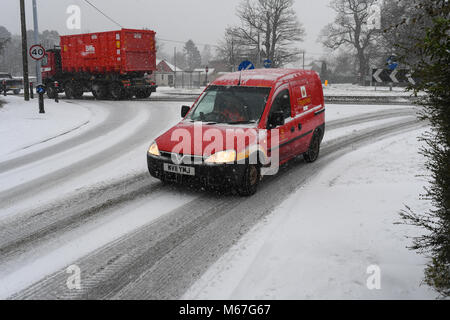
173,168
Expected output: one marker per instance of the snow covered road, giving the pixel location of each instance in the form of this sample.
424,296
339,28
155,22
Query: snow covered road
85,198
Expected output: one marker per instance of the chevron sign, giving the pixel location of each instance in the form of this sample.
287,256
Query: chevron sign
394,76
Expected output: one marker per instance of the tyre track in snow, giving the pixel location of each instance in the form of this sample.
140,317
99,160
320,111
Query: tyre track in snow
113,120
162,259
141,135
21,230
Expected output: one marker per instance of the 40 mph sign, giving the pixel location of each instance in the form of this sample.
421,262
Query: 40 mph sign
37,52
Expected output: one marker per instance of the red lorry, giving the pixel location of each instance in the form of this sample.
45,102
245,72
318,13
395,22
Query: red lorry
111,65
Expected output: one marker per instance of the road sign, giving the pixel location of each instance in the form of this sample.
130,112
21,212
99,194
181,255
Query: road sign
394,76
267,63
37,52
40,89
246,65
392,63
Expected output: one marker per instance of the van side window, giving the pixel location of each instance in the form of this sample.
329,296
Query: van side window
282,103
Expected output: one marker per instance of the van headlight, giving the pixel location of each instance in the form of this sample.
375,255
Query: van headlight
222,157
153,150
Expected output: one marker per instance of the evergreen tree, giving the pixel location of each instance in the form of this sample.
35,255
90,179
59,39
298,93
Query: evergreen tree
192,54
429,59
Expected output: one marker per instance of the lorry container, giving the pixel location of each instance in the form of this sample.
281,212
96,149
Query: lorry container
113,64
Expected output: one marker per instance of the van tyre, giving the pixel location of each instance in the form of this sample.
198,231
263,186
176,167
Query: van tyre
250,181
314,148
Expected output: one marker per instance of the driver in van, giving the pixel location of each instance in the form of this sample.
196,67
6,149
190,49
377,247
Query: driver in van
231,110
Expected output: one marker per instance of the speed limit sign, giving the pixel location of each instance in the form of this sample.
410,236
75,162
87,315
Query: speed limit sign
37,52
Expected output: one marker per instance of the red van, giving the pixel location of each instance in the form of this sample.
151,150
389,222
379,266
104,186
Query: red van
244,125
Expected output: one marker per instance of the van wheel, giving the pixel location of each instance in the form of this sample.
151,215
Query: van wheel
314,148
250,181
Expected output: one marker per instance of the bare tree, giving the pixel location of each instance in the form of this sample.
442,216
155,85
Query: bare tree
5,37
269,29
350,30
229,49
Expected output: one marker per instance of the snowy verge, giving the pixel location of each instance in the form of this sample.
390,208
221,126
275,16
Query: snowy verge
321,241
21,124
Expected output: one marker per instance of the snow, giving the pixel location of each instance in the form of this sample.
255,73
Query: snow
21,124
298,260
74,244
309,248
357,90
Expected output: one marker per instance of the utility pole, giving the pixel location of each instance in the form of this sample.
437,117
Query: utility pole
303,60
175,63
259,51
232,54
26,80
36,41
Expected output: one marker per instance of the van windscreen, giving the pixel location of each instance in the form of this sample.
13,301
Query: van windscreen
231,105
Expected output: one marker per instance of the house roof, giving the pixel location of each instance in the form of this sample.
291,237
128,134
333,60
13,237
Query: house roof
160,66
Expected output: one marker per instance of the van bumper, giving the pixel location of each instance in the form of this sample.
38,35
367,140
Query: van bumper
206,175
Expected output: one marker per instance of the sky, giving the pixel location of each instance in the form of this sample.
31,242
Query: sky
203,21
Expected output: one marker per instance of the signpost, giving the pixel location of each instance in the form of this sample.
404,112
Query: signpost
246,65
37,52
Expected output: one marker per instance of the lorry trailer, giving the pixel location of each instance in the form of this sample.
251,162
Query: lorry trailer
112,65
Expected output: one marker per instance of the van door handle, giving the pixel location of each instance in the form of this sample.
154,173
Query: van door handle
292,129
299,126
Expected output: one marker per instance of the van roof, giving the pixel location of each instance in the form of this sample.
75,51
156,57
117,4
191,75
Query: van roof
261,77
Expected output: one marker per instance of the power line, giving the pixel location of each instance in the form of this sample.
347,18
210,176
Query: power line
160,39
104,14
184,42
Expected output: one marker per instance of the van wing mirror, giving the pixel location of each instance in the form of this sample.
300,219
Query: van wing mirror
275,119
184,111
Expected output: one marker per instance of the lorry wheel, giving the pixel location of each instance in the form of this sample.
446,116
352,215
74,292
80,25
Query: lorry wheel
116,91
77,90
78,94
250,181
100,91
69,90
143,94
51,92
314,148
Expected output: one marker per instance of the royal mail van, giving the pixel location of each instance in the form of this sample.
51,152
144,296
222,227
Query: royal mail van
243,126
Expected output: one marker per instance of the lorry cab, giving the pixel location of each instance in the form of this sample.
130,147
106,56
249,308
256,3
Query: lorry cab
243,123
51,63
